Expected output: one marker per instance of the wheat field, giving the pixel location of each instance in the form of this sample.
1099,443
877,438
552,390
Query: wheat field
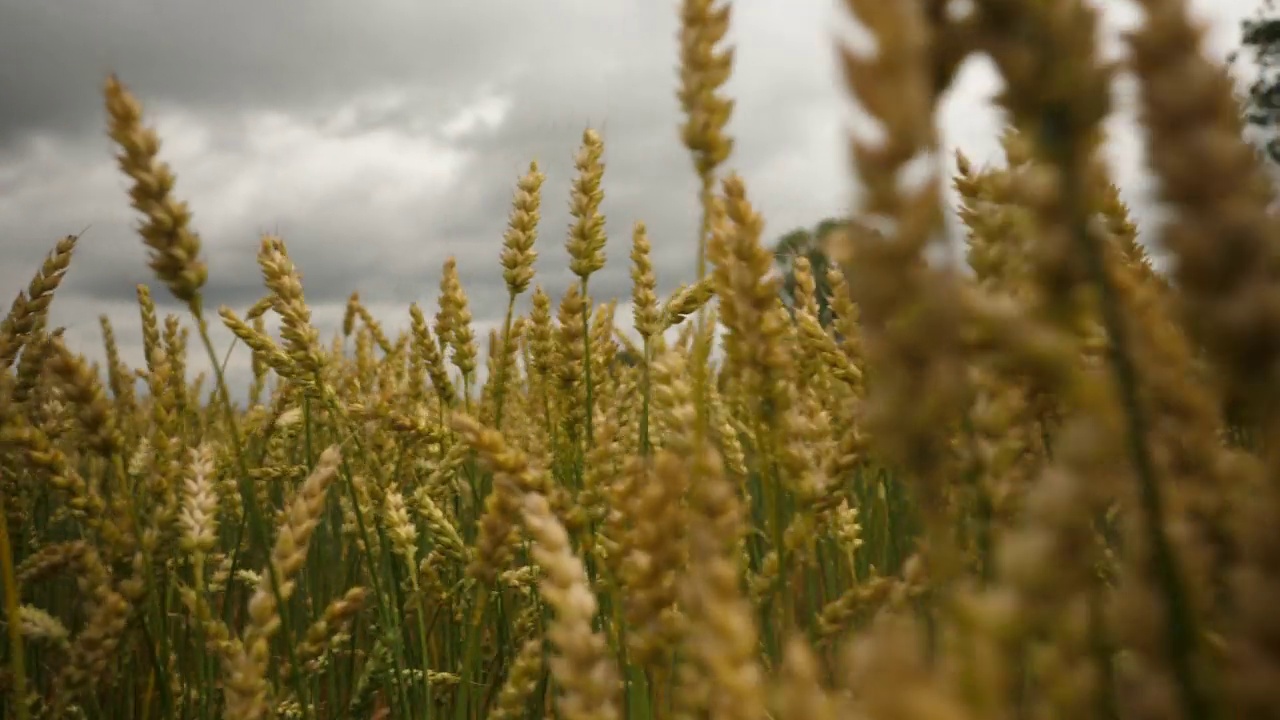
1041,485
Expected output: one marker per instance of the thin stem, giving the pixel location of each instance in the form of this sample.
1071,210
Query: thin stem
499,393
646,396
17,664
586,358
246,492
1180,623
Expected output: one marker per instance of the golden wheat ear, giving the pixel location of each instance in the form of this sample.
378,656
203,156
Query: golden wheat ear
166,227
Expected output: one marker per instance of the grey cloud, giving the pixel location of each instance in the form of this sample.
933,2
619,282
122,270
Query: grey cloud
546,60
247,54
561,68
402,68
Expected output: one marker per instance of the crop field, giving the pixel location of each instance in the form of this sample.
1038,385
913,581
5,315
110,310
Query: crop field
1038,483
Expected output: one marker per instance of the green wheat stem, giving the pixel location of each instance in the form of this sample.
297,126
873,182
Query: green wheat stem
17,664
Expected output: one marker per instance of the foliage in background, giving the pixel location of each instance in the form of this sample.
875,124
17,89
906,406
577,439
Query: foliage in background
809,244
1260,43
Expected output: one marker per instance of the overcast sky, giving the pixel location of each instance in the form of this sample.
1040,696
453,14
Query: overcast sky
379,137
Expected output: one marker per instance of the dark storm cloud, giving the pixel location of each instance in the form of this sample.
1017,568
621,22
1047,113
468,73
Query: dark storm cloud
559,67
244,54
340,126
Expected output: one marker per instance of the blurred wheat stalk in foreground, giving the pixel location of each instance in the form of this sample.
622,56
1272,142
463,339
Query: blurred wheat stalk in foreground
1045,487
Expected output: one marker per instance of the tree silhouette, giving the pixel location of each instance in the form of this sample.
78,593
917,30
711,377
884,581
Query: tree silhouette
1260,38
808,243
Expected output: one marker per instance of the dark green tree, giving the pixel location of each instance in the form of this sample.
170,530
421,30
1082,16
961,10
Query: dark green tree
809,243
627,357
1260,42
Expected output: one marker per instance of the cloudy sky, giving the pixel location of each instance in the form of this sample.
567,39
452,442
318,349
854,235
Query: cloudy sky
381,136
